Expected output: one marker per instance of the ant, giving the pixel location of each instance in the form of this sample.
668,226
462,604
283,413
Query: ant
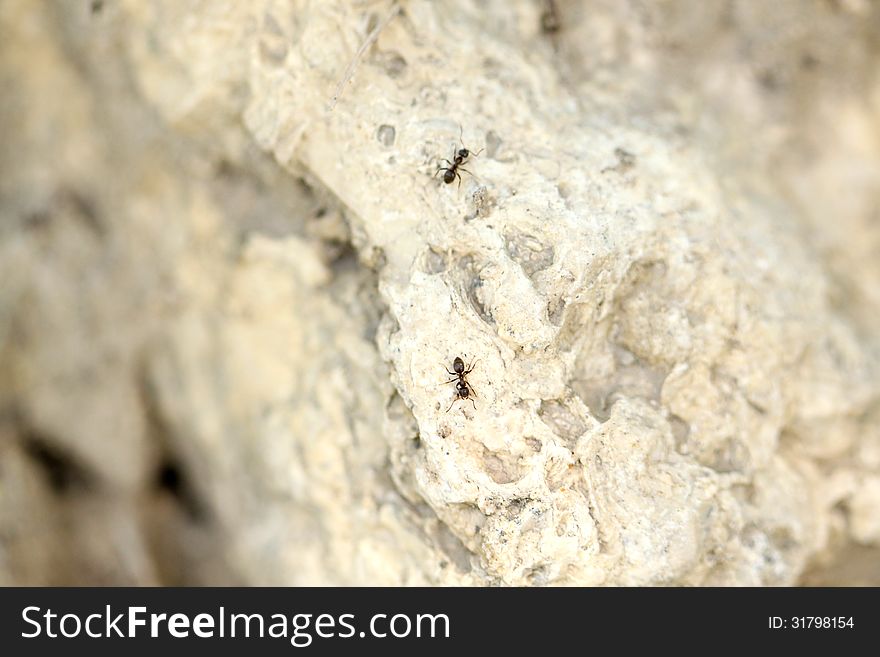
463,389
459,157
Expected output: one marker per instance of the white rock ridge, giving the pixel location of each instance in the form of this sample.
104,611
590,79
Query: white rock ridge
676,360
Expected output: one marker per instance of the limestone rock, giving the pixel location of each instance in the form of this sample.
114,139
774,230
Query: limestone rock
231,300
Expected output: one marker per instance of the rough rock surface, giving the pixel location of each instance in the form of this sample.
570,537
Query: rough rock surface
228,302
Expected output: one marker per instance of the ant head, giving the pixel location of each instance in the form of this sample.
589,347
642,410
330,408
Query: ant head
463,153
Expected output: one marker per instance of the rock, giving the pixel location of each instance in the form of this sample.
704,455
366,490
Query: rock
231,301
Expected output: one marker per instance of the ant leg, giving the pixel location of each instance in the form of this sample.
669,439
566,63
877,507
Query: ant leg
450,380
452,404
472,391
474,403
458,175
446,168
469,369
463,169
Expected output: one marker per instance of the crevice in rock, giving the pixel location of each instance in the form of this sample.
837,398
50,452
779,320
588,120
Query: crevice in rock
172,478
171,475
63,472
562,421
528,252
468,277
453,547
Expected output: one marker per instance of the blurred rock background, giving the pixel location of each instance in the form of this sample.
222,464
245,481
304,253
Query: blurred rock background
227,303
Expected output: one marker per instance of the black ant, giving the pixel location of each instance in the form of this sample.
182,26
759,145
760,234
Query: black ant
463,389
459,157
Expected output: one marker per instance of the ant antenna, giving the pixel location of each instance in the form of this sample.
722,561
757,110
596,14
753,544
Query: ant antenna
461,141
